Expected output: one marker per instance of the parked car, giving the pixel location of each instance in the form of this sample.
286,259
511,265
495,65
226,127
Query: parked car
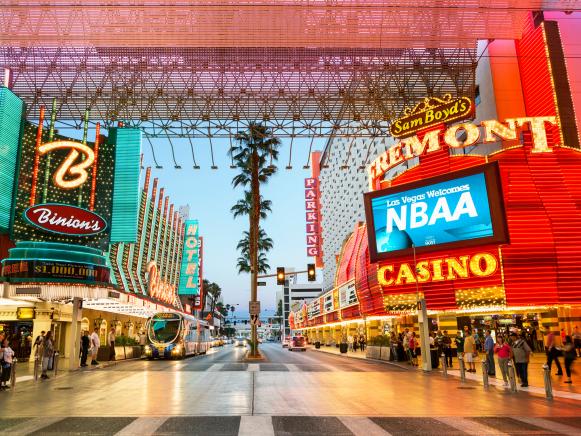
297,343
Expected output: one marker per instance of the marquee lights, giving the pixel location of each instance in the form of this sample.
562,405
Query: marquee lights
68,168
413,146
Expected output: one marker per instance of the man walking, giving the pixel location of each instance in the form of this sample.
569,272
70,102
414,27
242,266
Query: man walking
85,342
95,344
553,353
111,340
38,341
489,350
447,344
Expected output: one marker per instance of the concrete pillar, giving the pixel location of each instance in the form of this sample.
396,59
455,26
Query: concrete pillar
73,343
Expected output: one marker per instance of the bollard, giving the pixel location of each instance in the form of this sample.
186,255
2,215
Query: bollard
13,374
36,367
462,369
548,382
444,367
511,376
55,363
485,374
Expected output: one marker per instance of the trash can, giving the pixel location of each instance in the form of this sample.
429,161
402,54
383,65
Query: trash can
435,358
343,348
317,344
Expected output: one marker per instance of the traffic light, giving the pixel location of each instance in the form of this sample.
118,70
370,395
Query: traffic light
311,272
280,275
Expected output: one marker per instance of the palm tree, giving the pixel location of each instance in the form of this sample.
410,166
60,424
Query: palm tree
265,243
253,155
244,266
244,206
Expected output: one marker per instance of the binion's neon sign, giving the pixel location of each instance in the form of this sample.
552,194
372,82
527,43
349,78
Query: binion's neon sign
70,175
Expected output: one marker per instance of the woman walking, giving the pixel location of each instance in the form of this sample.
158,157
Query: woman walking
570,356
7,359
503,355
412,348
521,352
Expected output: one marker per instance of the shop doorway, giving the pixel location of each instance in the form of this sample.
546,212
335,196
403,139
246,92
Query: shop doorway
19,335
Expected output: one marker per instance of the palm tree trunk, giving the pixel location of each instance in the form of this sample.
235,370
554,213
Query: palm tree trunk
254,224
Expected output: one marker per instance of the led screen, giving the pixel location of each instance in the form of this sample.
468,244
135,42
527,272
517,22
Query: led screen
459,208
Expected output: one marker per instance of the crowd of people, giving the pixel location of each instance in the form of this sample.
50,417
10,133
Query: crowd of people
356,342
514,345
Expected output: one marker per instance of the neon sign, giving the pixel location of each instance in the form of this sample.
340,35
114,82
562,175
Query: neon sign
435,270
189,277
494,130
158,288
431,112
65,219
70,175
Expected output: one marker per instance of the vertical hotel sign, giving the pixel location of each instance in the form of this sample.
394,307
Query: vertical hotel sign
190,269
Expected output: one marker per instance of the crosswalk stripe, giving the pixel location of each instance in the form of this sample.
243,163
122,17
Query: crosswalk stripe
256,425
361,426
142,427
292,367
469,426
216,367
253,367
33,425
550,425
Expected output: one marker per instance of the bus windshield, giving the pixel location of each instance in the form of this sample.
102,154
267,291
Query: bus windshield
164,330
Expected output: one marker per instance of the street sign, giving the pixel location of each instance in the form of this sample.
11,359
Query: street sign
254,319
254,307
261,283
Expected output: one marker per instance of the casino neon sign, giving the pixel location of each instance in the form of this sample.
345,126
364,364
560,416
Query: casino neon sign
70,175
494,130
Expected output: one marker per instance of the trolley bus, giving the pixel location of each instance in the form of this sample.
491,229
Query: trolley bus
175,336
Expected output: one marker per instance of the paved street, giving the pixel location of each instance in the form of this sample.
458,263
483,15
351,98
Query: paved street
290,393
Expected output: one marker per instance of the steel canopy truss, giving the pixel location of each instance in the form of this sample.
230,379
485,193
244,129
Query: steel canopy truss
265,23
201,92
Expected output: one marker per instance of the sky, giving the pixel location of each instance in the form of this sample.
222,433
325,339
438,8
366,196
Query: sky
210,195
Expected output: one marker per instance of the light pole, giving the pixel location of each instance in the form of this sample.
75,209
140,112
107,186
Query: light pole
423,322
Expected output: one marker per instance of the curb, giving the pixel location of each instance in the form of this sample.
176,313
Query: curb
363,359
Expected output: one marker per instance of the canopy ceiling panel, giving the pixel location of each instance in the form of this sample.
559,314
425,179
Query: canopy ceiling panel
275,23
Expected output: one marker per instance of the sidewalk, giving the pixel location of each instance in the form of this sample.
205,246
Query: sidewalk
536,374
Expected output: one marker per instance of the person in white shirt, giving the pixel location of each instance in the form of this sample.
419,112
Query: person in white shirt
7,359
95,344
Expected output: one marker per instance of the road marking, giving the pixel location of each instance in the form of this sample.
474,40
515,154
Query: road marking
292,367
256,425
142,427
361,426
216,367
33,425
469,426
550,425
253,367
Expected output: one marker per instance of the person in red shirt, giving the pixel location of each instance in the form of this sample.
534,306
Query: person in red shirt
503,355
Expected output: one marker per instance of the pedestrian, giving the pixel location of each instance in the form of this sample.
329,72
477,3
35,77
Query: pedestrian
503,354
46,353
111,341
447,347
95,344
38,342
563,336
7,359
350,342
85,344
489,350
412,348
553,353
570,356
362,342
539,342
521,352
577,340
459,341
470,352
439,340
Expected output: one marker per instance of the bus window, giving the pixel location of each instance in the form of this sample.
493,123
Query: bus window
164,330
